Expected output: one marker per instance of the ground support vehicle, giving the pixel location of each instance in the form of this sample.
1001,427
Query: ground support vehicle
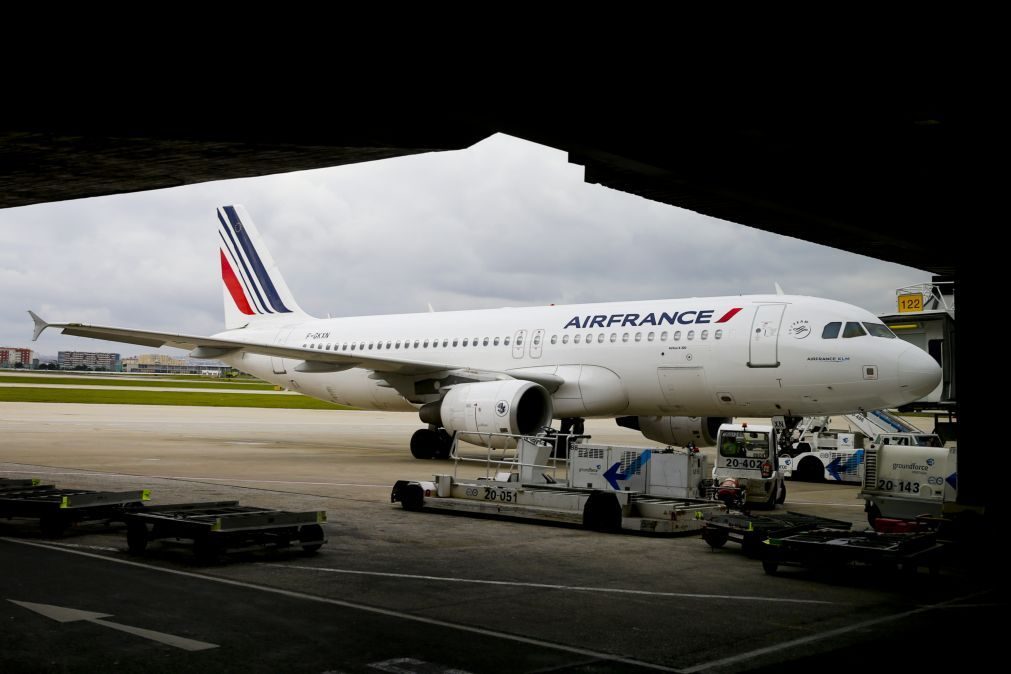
830,548
907,476
225,527
752,530
620,496
59,509
747,472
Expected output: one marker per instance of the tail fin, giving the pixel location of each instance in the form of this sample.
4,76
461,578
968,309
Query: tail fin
254,289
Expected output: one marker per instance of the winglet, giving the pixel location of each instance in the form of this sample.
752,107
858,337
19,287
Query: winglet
40,325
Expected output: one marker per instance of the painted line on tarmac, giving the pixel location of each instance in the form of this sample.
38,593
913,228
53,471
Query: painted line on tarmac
794,643
609,657
90,473
548,586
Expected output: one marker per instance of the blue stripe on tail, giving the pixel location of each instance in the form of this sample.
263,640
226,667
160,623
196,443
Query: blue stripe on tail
254,260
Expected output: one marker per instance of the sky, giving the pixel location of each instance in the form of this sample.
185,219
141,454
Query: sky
505,222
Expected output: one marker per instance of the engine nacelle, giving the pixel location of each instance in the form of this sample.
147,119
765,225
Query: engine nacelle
676,430
507,406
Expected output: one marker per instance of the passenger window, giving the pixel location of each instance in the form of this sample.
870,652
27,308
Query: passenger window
327,347
575,339
718,334
456,341
638,336
445,343
485,342
677,335
537,340
519,340
475,341
853,330
600,338
466,341
691,334
705,334
506,341
388,343
663,336
352,347
554,339
624,337
565,339
650,336
495,343
614,337
425,344
398,344
831,330
416,342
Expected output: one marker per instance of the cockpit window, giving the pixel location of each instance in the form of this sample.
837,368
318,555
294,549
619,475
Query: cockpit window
853,330
831,330
879,330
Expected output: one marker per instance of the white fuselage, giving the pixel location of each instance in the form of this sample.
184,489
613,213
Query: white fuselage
658,357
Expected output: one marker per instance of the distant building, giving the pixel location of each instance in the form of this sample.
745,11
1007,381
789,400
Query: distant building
159,363
11,356
79,360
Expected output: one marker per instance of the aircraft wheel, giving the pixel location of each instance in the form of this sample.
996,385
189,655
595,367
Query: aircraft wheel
425,444
782,495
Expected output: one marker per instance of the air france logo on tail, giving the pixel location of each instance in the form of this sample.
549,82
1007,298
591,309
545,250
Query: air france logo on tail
243,271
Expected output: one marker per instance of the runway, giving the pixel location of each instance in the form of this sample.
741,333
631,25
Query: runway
427,592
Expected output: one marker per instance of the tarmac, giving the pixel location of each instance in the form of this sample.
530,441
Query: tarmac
400,591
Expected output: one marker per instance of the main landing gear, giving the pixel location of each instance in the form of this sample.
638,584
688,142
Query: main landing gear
431,443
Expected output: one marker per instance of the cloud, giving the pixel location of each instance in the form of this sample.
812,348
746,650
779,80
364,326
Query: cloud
504,223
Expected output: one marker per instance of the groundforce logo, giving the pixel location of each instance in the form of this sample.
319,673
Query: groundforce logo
915,467
640,320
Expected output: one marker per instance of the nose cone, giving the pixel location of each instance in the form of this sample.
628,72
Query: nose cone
919,373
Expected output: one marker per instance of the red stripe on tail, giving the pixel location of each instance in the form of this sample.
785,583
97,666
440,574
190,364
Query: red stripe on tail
232,283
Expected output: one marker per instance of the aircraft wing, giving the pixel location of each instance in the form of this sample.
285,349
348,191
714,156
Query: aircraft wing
313,360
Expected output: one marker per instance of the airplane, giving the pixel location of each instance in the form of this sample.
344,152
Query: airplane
674,369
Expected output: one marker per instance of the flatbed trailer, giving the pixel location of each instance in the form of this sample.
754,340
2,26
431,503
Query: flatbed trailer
225,527
752,530
827,548
615,488
595,509
14,484
58,509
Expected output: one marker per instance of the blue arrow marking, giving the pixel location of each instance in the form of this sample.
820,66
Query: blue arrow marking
952,480
612,475
834,468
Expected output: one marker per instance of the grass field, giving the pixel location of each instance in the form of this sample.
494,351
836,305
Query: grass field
133,397
253,385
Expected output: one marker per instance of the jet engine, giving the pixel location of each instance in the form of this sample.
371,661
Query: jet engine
506,406
676,430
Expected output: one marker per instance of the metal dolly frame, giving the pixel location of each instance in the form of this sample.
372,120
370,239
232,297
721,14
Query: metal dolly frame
827,548
225,527
58,509
750,531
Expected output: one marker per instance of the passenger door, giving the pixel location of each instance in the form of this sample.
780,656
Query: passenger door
765,336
